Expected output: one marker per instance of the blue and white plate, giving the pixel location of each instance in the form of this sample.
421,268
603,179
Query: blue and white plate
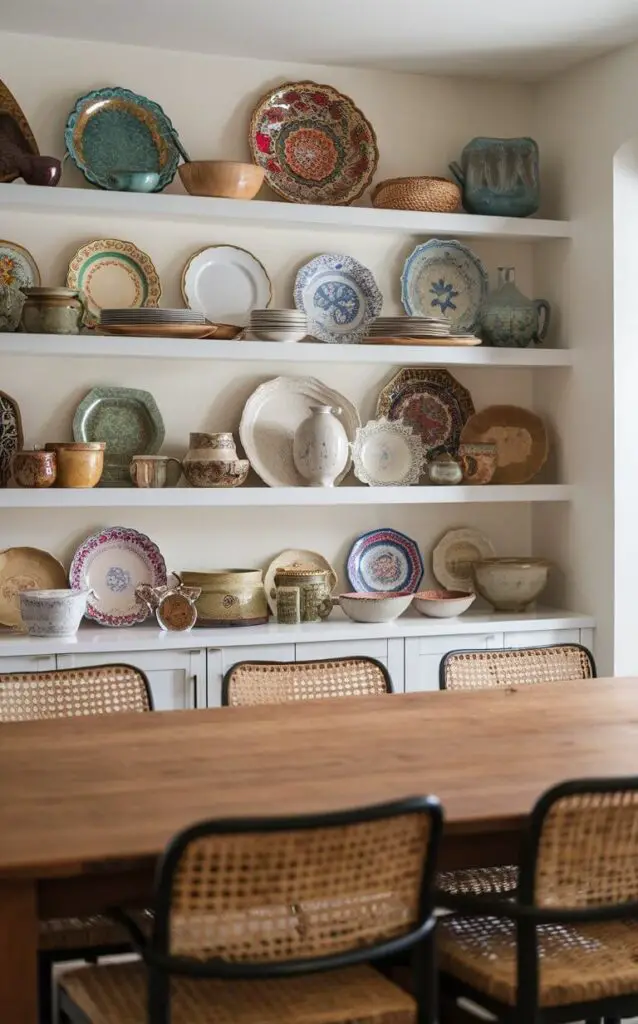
384,561
339,296
445,278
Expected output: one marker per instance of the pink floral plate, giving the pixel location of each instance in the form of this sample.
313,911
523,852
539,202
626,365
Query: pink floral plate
313,143
112,564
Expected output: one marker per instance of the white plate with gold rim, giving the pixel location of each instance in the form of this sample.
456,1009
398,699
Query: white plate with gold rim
26,569
113,274
294,558
225,283
453,556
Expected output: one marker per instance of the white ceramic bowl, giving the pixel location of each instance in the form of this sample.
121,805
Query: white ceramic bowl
374,607
53,612
442,604
269,335
510,584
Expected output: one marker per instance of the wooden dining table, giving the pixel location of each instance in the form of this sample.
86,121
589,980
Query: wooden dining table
87,804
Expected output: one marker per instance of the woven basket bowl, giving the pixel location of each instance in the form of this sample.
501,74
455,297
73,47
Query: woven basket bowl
430,195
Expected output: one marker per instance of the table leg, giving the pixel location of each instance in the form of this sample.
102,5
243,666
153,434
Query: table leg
18,952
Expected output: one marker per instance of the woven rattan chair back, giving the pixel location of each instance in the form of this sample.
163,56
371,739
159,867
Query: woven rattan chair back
481,670
103,690
298,889
277,682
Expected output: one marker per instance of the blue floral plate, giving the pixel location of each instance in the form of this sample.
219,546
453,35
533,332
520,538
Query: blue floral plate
384,561
339,296
112,130
445,278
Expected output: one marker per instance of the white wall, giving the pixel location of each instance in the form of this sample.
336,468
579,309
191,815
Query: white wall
421,123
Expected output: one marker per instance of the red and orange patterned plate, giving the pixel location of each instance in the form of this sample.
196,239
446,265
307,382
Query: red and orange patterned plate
313,143
431,401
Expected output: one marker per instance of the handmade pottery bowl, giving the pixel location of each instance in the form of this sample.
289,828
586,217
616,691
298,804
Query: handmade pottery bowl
35,468
510,584
229,597
53,612
52,311
133,181
442,604
80,464
478,462
375,607
222,178
216,472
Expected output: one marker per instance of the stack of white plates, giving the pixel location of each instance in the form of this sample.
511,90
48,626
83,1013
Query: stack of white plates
277,325
150,315
410,327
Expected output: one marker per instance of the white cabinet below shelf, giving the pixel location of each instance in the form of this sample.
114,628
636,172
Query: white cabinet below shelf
177,678
29,663
541,638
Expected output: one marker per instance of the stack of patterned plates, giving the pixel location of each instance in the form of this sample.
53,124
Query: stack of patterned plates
151,321
415,330
278,324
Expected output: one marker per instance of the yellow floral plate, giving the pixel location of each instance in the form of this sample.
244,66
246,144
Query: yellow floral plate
18,268
113,274
26,569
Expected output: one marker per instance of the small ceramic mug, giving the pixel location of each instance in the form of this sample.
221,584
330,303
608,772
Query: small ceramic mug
152,470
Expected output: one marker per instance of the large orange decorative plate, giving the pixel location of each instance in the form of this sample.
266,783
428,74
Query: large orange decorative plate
313,143
15,128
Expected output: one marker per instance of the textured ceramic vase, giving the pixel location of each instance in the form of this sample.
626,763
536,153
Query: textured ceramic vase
499,177
320,447
509,319
11,303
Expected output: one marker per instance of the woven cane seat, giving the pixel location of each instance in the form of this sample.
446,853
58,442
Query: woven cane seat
577,963
490,670
60,933
117,994
104,690
253,682
478,881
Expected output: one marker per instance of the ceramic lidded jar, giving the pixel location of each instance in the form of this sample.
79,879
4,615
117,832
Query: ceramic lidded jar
509,319
315,590
52,311
320,447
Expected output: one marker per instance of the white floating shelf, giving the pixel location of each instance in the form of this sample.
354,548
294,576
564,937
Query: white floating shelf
269,497
87,345
94,202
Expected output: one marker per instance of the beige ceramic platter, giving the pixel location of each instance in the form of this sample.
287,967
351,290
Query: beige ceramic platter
113,274
26,569
448,340
294,558
520,437
453,556
173,330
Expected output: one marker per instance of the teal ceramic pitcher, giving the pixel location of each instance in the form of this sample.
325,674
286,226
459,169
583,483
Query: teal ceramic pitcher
509,319
499,177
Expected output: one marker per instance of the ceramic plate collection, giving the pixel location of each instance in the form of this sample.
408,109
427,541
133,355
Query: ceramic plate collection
271,416
128,420
294,558
445,278
15,127
431,401
112,274
339,296
387,453
383,561
17,266
26,569
112,130
112,564
11,439
520,437
453,556
313,143
225,283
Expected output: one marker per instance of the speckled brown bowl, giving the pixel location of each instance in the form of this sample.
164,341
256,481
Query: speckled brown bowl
35,468
215,473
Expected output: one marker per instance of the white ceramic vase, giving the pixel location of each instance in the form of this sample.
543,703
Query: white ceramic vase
320,447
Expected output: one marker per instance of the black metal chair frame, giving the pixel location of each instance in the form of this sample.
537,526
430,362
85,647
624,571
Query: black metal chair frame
228,677
522,910
161,964
511,650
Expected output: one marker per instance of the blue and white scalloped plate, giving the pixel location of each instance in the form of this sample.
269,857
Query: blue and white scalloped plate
445,278
339,296
384,561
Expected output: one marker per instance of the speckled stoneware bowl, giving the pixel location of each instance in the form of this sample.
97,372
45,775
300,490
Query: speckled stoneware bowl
510,584
442,604
375,607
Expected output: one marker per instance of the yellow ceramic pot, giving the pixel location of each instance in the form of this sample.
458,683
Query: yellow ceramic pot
229,597
79,464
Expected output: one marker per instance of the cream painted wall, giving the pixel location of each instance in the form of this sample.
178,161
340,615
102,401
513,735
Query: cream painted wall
421,123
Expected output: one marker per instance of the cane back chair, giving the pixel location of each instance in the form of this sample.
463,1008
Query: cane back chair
277,682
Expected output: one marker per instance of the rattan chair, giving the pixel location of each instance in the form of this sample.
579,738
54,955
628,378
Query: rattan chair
105,690
566,947
485,670
277,682
248,911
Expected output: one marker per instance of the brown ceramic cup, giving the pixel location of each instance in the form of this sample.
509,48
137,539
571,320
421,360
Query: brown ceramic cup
35,468
80,464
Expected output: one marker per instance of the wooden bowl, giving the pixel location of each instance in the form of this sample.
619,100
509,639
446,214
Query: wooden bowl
221,178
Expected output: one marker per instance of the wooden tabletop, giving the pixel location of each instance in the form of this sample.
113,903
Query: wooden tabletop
98,789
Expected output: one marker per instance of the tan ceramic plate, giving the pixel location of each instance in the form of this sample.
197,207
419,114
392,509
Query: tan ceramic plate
520,437
443,340
173,330
26,569
453,556
289,559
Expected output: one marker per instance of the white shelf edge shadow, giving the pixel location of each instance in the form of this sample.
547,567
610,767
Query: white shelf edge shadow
87,346
83,201
269,497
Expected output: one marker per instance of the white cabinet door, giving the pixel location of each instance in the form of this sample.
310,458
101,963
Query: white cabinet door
29,663
220,660
177,678
541,637
423,655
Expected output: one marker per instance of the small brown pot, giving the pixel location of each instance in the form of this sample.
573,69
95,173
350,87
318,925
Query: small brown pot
35,468
79,464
